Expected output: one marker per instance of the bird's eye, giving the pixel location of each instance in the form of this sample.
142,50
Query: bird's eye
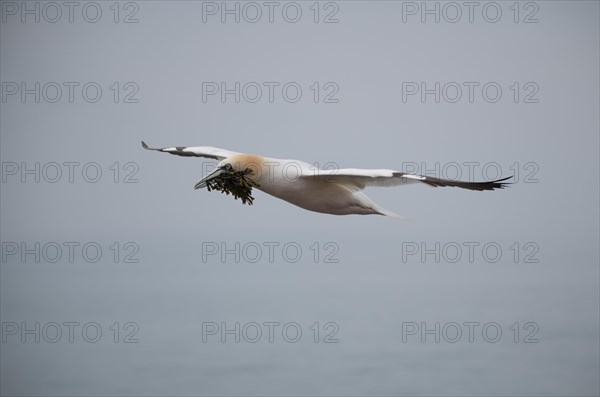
228,167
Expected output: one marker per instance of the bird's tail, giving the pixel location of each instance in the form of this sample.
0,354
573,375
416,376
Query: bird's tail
374,208
392,214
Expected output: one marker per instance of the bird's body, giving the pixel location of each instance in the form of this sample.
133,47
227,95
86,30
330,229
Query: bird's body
299,183
337,191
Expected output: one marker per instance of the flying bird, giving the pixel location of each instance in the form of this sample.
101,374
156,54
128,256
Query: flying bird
335,191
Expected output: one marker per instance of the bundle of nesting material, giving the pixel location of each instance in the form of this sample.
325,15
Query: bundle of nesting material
235,183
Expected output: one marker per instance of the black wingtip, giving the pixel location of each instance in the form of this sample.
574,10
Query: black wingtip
493,185
500,184
149,148
480,186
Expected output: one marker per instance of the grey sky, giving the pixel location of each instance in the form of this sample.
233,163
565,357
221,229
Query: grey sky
367,58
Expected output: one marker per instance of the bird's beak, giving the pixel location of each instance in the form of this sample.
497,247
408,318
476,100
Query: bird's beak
202,182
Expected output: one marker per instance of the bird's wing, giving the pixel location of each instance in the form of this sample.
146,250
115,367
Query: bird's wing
197,151
360,178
